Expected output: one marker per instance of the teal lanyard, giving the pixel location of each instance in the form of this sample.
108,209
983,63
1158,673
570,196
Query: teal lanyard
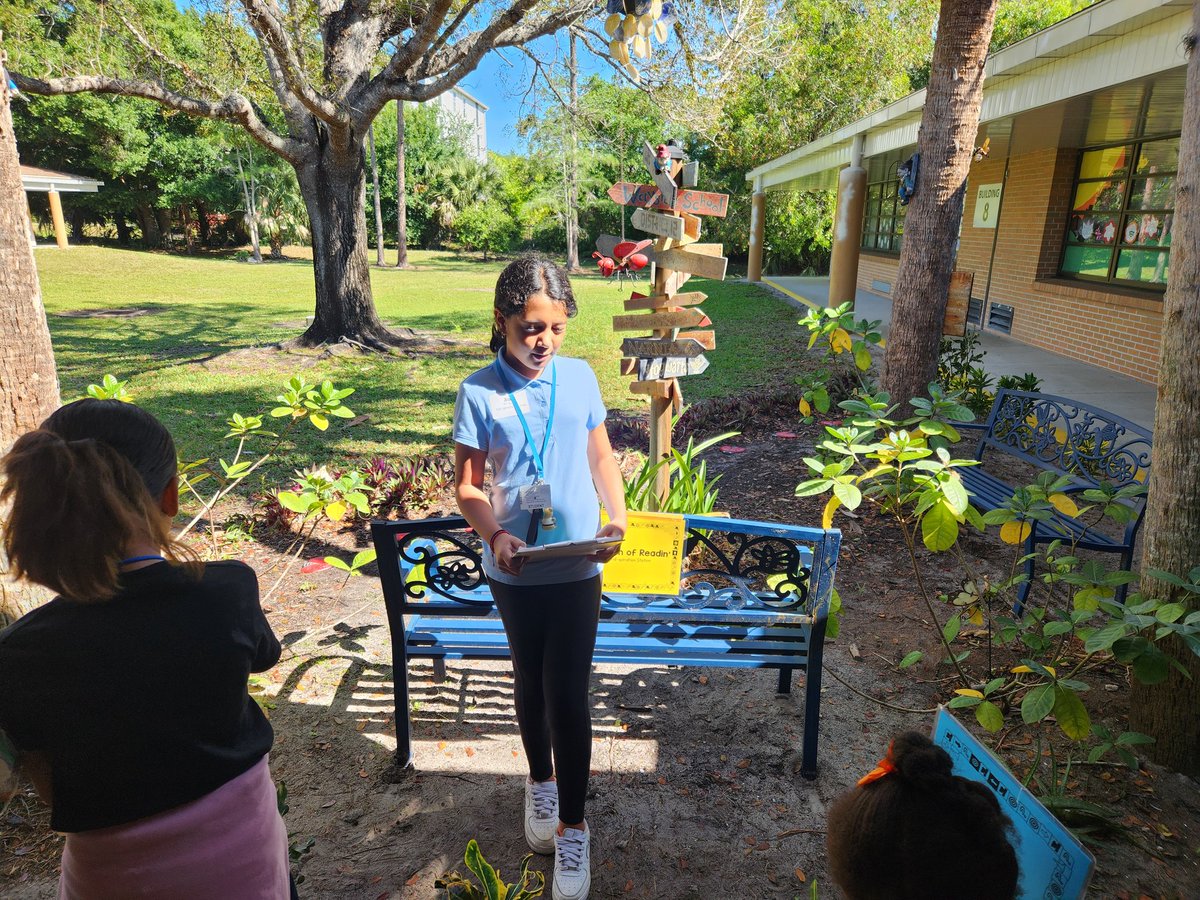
539,458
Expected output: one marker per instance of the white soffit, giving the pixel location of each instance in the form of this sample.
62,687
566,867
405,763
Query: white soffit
35,179
1105,45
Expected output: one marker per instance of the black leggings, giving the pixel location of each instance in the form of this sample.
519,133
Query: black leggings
552,632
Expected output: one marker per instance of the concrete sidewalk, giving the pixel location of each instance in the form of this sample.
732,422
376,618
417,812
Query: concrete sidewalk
1127,397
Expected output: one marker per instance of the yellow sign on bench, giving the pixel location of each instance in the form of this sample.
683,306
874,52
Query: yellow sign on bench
650,557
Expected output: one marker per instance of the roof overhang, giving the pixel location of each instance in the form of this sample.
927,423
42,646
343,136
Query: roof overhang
35,179
1110,43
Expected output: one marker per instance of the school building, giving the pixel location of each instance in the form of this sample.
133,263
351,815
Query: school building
1067,219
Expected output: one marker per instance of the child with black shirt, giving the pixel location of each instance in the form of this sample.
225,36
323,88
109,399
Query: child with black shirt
125,695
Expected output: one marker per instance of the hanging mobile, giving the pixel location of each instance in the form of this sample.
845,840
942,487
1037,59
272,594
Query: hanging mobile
548,520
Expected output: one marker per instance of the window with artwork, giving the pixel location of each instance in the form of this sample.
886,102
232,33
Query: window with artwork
1122,212
883,215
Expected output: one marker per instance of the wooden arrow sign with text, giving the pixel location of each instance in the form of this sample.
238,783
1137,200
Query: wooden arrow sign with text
652,348
683,228
665,301
697,203
693,263
671,367
684,318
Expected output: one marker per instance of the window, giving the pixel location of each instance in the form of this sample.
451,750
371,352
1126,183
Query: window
1122,213
883,216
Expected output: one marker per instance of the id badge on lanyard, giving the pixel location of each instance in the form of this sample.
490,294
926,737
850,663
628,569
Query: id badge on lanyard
537,496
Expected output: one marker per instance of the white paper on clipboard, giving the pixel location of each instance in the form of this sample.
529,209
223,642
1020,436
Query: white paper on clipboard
567,548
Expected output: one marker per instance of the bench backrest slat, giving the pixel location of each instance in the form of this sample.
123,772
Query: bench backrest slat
433,567
1060,435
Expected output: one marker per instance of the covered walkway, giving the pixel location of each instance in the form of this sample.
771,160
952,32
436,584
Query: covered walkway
1120,394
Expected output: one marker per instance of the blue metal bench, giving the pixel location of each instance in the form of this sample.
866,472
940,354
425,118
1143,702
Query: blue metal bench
758,598
1087,444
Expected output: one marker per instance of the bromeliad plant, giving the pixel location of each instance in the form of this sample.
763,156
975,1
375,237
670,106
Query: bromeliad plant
1065,633
690,491
836,332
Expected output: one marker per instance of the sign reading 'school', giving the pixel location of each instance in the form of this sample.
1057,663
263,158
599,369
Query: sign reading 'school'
987,205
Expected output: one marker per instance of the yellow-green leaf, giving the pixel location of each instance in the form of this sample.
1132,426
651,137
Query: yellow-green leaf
988,715
862,358
1071,714
830,508
1020,670
1015,532
840,340
939,528
319,421
969,692
805,408
336,510
975,616
1064,504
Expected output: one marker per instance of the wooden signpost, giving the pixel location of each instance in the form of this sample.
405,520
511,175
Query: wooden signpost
670,211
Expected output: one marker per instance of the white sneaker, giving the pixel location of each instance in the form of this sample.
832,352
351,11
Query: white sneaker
541,815
572,864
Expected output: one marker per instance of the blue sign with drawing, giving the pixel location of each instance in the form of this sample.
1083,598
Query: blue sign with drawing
1054,865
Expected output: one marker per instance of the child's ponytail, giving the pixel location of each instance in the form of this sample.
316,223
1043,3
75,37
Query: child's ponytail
76,501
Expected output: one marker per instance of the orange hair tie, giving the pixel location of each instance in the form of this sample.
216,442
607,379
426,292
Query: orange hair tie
883,768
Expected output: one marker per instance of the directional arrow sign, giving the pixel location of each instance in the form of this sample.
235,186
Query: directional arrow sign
706,339
694,263
663,301
685,318
670,367
651,348
659,224
697,203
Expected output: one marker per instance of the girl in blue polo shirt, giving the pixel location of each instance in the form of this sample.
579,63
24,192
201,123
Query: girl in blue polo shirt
537,417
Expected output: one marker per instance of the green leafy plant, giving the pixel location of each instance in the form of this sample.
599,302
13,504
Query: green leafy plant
835,332
453,886
690,491
110,388
1075,627
297,849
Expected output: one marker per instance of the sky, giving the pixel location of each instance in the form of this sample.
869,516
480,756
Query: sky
502,80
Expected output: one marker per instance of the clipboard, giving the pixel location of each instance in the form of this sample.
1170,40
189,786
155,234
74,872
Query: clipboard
566,548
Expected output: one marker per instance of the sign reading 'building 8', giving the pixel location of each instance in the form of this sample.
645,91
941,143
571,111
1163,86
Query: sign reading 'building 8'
987,205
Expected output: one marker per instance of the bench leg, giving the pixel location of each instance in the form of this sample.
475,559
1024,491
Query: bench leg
403,758
785,680
812,703
1126,565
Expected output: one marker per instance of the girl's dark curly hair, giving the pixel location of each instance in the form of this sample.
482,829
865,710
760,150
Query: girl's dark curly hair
921,833
524,277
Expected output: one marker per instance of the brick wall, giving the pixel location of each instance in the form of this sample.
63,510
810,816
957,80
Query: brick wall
1116,328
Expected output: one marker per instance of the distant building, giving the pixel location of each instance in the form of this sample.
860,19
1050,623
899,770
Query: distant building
461,106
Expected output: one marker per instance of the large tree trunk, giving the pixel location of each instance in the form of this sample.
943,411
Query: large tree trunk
334,187
1170,711
572,179
28,381
401,193
122,229
379,261
151,236
945,142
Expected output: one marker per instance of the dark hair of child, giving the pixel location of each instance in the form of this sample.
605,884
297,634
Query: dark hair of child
524,277
913,831
82,487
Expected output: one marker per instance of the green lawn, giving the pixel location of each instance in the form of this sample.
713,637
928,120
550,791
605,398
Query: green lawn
179,363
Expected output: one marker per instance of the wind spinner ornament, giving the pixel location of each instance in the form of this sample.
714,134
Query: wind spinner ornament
623,259
630,25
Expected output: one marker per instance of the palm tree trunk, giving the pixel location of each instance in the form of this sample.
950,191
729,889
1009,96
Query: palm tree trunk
572,179
401,193
945,143
27,369
379,261
1170,712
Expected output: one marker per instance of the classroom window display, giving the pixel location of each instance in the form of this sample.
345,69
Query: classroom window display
1122,214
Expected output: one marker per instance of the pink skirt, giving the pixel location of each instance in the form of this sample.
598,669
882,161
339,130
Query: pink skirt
230,844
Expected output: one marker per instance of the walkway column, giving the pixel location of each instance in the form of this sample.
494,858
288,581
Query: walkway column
758,215
847,227
56,213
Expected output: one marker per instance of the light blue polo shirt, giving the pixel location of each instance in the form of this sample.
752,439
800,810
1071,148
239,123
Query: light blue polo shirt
485,419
